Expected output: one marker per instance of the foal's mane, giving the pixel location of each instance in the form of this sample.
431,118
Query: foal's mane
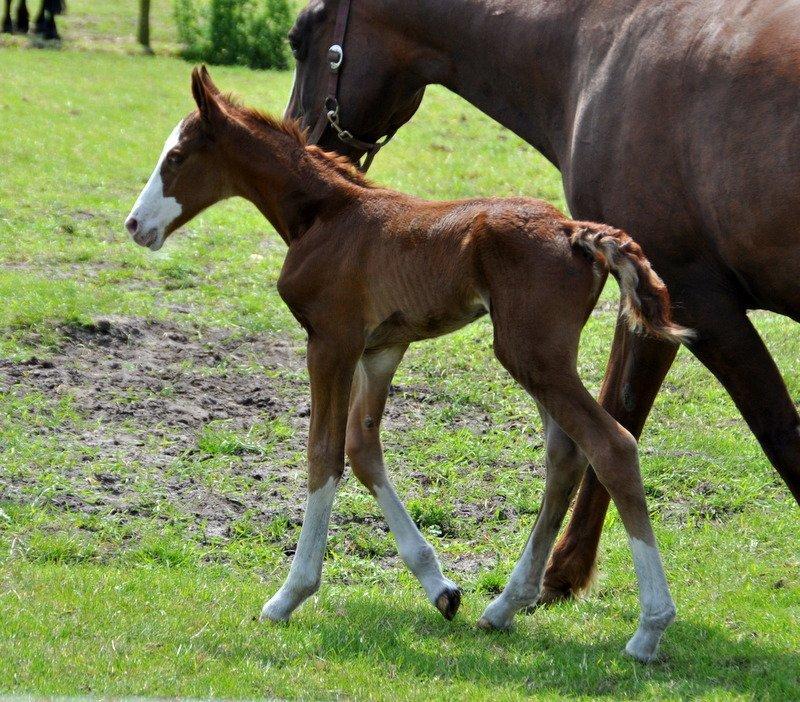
337,163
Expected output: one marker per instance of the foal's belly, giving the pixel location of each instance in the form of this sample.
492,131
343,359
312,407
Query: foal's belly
406,326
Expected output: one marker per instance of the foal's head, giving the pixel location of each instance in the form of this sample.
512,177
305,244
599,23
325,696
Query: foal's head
190,174
379,88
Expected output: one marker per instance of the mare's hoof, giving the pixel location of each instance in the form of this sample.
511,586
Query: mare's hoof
549,596
448,602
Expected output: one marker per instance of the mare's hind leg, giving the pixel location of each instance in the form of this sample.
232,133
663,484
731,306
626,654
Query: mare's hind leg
363,447
564,468
544,364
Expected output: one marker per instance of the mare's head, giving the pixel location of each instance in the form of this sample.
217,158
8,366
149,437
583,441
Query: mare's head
190,174
378,89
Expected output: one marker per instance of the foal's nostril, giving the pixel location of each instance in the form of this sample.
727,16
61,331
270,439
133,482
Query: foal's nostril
131,224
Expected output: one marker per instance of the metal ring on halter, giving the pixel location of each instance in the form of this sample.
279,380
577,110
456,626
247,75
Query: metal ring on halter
335,56
329,116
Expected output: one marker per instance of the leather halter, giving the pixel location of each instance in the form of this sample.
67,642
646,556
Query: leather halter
329,117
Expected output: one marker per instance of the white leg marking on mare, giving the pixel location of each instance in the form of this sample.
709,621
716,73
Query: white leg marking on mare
304,575
658,609
415,551
152,210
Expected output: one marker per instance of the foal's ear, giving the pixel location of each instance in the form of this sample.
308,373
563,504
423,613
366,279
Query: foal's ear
206,96
206,76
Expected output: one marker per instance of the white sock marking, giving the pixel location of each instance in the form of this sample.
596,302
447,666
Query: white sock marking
415,551
658,609
306,570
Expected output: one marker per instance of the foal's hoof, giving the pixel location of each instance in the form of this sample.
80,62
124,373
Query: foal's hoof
643,655
487,625
275,611
448,602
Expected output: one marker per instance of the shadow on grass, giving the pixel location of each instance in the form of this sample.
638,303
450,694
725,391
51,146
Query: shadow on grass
414,641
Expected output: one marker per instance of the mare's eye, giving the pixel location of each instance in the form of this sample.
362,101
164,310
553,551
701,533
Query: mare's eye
174,158
294,45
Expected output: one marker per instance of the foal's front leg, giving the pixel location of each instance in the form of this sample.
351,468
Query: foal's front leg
372,378
330,368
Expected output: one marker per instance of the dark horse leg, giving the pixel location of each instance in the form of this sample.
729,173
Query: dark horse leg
729,346
635,372
50,8
7,26
23,17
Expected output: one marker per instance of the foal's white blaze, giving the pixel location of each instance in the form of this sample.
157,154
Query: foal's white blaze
304,575
152,211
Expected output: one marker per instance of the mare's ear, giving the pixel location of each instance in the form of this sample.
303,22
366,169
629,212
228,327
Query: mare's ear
206,95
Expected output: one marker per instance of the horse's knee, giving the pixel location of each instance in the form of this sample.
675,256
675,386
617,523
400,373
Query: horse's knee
562,452
364,454
616,463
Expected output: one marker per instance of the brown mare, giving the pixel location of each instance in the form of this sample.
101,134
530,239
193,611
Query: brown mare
678,121
369,271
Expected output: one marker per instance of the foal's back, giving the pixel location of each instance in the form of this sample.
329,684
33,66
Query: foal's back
432,267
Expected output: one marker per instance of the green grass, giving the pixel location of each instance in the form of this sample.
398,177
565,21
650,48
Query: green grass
153,601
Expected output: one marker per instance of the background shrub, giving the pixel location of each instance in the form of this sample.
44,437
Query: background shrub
245,32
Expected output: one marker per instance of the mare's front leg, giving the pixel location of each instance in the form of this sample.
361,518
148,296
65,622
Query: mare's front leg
372,378
330,367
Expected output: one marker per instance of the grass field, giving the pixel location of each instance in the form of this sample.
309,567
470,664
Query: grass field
153,413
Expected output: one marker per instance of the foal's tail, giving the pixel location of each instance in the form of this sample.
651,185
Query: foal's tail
645,298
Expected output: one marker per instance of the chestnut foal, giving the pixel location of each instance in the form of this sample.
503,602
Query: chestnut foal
369,271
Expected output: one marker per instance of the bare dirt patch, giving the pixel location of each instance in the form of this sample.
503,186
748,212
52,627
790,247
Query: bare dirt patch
145,391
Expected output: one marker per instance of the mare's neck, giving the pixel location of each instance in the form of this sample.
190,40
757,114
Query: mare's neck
288,185
512,59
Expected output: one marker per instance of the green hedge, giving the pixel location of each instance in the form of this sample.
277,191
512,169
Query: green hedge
244,32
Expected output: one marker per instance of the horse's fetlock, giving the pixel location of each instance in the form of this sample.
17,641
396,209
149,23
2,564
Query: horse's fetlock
419,557
660,620
305,587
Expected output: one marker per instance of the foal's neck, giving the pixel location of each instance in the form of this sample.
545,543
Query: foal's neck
290,184
513,59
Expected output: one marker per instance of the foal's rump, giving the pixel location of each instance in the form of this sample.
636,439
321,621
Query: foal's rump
539,263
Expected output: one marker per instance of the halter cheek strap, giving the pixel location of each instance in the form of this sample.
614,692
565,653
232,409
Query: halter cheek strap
329,117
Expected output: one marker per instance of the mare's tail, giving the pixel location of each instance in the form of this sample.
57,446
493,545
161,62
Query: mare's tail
645,298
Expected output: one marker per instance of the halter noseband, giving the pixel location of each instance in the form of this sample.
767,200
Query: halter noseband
329,117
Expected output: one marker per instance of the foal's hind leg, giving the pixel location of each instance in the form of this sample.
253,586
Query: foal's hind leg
363,447
565,466
635,372
548,372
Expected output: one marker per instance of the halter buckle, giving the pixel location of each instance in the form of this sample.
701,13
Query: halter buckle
335,57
